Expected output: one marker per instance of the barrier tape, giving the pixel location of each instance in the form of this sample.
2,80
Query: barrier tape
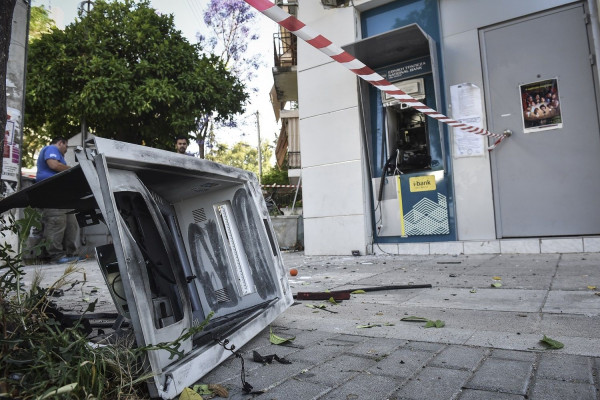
324,45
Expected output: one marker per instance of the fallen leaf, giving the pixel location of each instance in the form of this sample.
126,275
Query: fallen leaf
359,291
497,278
189,394
273,338
219,390
435,324
473,290
332,300
496,284
368,326
414,319
592,287
551,343
201,388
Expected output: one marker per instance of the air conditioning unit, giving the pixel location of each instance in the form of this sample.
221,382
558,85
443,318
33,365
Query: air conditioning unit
412,87
335,3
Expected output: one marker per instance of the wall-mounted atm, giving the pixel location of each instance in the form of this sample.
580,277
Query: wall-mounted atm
410,182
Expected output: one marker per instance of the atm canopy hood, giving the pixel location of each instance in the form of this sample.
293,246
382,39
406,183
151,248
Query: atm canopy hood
402,44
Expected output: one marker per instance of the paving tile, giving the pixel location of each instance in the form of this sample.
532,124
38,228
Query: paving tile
425,346
337,370
365,386
508,376
434,383
377,348
514,355
565,368
459,357
469,394
402,363
545,389
273,374
294,389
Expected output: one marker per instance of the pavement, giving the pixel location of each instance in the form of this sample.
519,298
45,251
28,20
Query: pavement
489,347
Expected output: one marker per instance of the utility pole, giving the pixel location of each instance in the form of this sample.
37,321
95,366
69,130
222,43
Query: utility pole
259,150
83,9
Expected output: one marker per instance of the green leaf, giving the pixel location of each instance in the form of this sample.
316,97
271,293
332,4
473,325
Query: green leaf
274,339
201,388
414,319
359,291
551,343
496,284
367,326
473,290
332,300
435,324
189,394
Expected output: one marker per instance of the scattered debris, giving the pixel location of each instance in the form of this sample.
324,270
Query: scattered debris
473,290
268,359
449,262
320,307
551,343
369,325
345,294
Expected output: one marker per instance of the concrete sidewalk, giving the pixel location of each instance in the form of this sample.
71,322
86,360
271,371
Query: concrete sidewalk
489,347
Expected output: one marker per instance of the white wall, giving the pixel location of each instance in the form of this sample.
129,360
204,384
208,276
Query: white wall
332,173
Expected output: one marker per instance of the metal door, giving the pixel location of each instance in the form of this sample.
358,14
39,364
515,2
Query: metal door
545,177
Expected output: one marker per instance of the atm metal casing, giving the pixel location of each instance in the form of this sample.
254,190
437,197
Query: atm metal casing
188,237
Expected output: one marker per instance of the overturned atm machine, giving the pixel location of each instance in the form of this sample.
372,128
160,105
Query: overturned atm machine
189,237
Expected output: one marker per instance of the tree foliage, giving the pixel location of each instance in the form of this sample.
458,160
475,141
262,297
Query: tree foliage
130,74
242,155
40,23
231,28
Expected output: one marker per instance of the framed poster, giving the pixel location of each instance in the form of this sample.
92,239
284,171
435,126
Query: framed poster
541,106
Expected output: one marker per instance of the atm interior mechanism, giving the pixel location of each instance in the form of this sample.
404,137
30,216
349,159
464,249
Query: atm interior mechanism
188,237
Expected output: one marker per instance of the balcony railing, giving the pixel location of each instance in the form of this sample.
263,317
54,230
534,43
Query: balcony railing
285,46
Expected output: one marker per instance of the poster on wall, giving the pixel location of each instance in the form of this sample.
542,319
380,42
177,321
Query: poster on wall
11,152
541,106
467,108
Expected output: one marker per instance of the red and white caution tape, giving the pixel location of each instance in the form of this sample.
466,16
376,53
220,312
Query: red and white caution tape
298,28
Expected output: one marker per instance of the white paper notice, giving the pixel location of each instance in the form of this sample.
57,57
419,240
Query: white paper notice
466,108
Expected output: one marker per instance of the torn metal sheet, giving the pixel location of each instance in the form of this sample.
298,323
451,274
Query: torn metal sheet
187,237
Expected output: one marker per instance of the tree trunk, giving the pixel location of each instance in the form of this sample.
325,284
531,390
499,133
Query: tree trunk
7,7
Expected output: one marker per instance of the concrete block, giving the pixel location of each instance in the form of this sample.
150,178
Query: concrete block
522,246
446,248
571,245
413,249
508,376
591,245
482,247
385,248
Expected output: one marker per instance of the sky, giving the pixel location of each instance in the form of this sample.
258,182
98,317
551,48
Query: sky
188,19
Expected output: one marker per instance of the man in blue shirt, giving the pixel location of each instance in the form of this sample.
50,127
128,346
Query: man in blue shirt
60,229
51,160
